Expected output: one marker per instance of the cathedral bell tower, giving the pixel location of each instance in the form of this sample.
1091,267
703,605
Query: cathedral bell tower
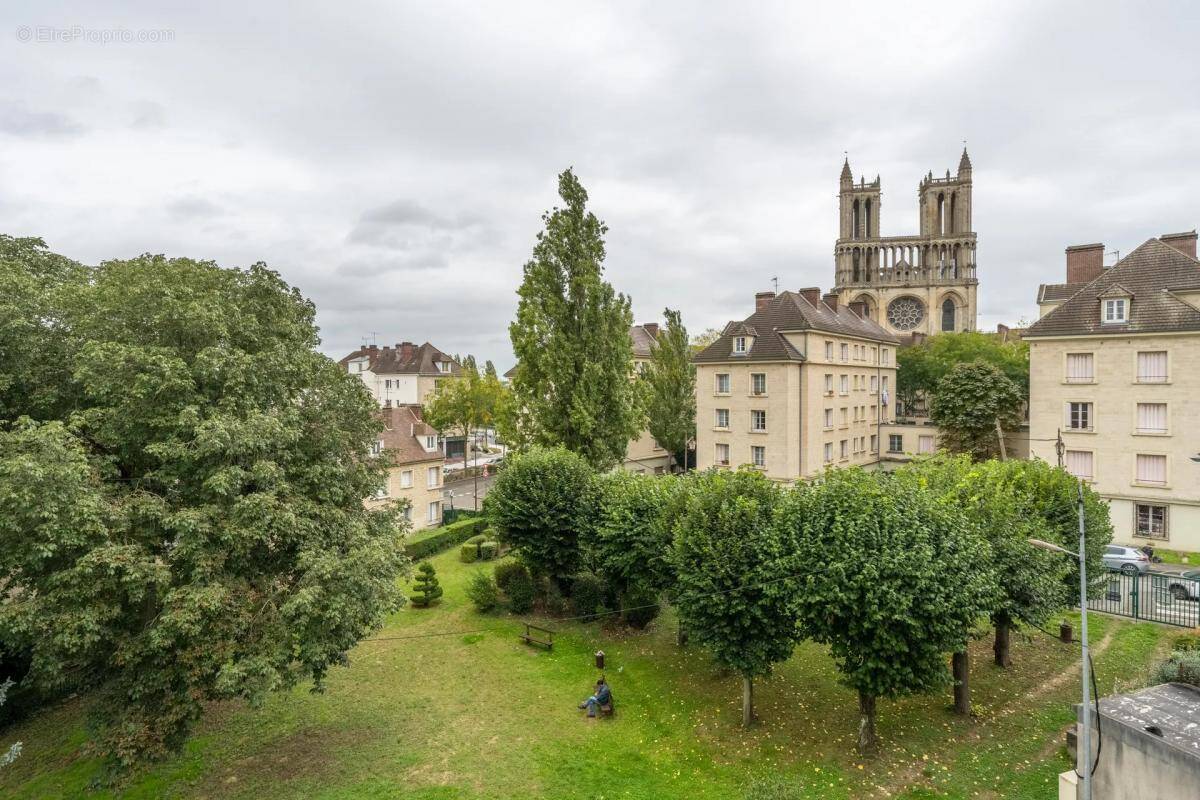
911,284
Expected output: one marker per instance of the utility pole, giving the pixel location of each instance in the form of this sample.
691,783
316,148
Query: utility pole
1060,448
1085,747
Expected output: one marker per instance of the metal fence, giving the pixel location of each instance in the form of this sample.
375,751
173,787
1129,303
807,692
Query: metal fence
1157,597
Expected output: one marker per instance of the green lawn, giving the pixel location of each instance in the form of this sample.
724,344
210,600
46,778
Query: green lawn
476,714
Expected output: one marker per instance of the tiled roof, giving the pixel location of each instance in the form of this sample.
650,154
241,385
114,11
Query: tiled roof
402,427
405,358
789,312
1057,292
1147,274
643,341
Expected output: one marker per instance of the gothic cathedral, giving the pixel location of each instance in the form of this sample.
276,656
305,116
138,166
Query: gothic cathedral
921,284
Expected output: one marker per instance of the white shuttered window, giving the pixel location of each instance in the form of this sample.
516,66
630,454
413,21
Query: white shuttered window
1079,463
1151,468
1152,366
1152,417
1079,368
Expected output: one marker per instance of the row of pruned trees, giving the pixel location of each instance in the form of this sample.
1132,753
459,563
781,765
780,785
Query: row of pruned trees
894,572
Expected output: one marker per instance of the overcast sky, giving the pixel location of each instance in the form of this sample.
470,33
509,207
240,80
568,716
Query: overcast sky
393,159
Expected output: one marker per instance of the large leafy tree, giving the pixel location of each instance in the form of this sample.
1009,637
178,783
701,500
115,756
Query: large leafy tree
973,404
921,366
193,527
464,405
541,504
904,578
669,389
735,591
573,382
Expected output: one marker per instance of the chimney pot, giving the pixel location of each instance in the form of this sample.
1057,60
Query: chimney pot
1183,242
406,350
831,300
1085,262
859,308
812,294
762,300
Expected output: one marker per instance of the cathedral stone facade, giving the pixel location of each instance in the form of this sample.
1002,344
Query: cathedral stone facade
922,284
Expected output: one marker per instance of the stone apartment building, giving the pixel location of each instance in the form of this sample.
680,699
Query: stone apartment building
801,384
910,284
414,461
645,455
402,375
1115,366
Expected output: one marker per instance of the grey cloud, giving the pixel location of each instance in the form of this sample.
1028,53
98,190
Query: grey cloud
192,208
18,120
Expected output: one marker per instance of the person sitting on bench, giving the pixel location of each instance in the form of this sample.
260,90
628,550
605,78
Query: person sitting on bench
602,698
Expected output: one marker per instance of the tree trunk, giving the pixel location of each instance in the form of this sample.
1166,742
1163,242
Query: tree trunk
747,700
868,742
961,665
1000,647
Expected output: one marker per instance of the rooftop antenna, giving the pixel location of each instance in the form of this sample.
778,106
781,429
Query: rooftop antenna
371,335
776,282
1116,253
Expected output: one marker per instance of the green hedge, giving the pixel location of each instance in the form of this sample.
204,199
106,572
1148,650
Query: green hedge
445,537
468,552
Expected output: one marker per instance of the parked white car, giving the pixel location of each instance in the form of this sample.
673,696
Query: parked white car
1129,560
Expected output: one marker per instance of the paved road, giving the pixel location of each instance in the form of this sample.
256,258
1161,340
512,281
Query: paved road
461,494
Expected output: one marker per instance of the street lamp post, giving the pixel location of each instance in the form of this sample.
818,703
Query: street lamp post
1085,735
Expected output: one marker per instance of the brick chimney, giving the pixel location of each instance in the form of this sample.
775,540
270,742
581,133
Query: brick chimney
762,300
812,294
859,308
1183,242
830,299
1085,262
651,328
406,351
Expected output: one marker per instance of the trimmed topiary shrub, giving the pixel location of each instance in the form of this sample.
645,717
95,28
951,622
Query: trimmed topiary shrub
516,583
468,552
477,538
488,550
426,590
483,592
587,596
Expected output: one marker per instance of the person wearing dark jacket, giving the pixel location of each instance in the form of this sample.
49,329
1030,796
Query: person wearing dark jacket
602,697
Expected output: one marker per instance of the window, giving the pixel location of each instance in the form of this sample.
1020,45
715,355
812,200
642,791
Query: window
829,418
828,452
895,443
874,443
722,420
874,384
435,511
739,344
758,383
886,356
828,384
723,455
845,449
758,420
845,416
406,479
1152,469
845,352
1152,366
1079,416
1079,463
1080,368
874,355
829,351
443,366
1115,310
377,447
1151,417
433,476
722,383
430,442
1150,521
758,456
856,413
925,444
948,315
845,384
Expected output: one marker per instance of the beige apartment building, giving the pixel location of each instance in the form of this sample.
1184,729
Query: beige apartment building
410,448
800,385
1115,366
644,455
402,375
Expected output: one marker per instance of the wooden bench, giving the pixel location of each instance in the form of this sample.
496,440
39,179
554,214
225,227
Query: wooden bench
606,710
546,639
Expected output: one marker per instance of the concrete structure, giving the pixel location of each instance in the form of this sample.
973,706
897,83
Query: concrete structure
402,375
901,440
644,455
1115,366
1151,746
801,384
910,284
410,448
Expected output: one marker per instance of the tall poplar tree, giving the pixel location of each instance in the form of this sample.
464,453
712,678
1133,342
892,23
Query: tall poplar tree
669,389
573,384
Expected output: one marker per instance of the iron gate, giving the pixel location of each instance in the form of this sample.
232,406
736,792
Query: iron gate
1158,597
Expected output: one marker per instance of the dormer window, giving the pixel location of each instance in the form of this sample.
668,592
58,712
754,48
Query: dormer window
430,442
1116,310
740,345
443,366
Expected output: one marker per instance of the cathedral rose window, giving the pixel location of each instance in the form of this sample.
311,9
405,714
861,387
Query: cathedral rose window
905,313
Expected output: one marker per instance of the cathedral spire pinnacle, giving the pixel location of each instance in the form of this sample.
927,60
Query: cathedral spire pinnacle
964,163
847,175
